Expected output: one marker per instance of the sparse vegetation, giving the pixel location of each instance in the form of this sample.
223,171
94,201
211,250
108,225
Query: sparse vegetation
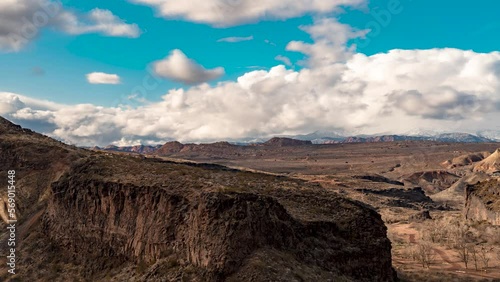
484,255
424,254
460,244
474,255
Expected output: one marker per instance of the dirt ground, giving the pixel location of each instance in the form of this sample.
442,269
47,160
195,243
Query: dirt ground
446,262
392,158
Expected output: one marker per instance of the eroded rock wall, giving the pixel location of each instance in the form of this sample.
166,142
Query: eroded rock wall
482,202
217,231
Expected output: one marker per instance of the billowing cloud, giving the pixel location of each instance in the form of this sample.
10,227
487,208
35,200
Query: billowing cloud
235,39
177,66
330,42
232,12
102,78
441,103
398,91
100,21
21,21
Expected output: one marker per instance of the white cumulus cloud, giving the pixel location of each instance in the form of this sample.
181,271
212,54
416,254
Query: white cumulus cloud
100,21
103,78
21,21
330,42
232,12
177,66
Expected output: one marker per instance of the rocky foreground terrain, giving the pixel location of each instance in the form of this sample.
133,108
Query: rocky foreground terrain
283,210
95,216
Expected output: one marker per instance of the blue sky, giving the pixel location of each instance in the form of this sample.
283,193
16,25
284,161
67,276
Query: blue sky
67,58
54,65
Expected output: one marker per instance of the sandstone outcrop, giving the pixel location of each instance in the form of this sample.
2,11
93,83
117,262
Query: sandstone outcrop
456,193
482,202
489,165
465,160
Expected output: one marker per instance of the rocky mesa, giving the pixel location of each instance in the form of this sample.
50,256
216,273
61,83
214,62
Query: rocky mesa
99,216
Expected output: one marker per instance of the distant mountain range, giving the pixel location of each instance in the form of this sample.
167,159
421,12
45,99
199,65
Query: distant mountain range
308,139
139,149
440,137
490,134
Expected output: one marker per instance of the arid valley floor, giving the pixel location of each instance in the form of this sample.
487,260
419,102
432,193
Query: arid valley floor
359,171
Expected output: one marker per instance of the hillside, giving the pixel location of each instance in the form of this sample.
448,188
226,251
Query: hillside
489,165
282,142
38,161
465,160
432,181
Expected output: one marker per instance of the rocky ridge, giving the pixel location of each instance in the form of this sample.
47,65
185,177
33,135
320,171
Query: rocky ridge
431,181
491,164
465,160
282,142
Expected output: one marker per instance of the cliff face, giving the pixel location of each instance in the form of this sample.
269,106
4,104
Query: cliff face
211,227
482,202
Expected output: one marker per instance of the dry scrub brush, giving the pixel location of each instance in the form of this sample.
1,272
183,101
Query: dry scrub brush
424,254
